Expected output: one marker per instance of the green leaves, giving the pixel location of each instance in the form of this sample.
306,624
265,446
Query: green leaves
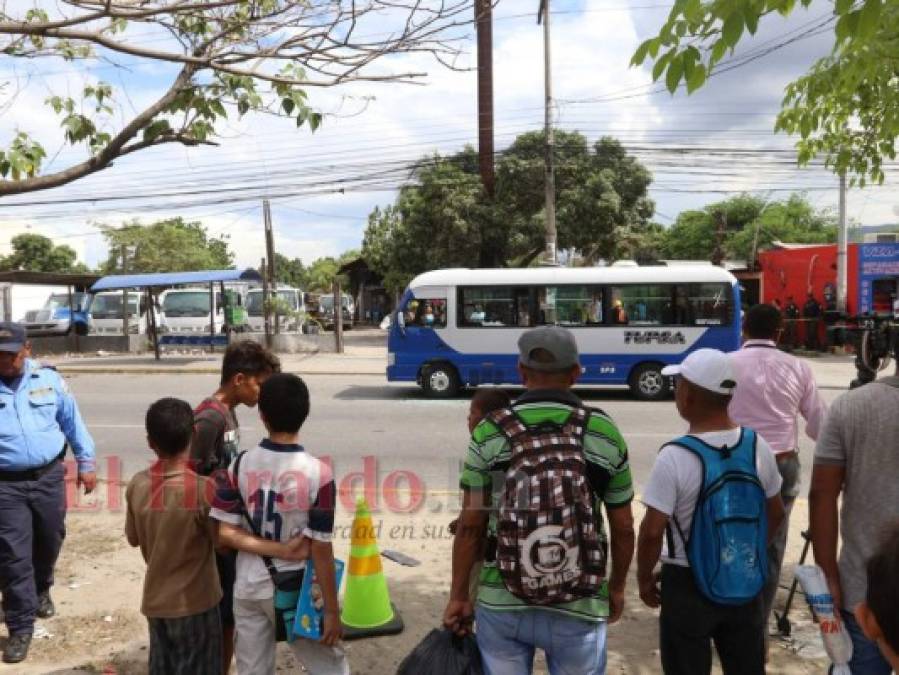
22,159
642,51
156,129
732,30
845,109
675,72
869,16
697,78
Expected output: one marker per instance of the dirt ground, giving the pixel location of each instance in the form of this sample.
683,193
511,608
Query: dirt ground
99,629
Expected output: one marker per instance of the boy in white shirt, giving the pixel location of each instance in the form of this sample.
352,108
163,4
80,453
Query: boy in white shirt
285,492
689,620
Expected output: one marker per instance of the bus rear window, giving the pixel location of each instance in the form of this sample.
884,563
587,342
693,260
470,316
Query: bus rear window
710,304
671,304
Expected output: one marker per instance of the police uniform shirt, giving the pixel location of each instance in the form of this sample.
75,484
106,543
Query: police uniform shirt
38,414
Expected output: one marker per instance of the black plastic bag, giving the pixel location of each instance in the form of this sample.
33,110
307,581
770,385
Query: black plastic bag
443,653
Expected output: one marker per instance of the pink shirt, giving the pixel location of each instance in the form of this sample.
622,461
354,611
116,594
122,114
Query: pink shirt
772,389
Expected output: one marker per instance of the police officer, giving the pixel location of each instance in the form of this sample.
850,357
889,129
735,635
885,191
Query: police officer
38,415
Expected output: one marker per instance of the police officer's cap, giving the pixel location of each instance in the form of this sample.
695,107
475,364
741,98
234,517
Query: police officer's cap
12,336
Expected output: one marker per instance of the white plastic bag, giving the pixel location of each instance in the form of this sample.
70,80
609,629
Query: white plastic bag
837,643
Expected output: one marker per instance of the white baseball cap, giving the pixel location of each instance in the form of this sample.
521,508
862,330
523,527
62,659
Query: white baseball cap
706,368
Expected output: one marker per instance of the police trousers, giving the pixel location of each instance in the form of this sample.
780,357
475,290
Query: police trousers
32,528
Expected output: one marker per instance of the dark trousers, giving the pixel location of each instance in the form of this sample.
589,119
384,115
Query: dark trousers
190,645
32,528
689,624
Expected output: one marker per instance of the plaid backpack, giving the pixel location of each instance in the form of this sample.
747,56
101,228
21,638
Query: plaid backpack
548,546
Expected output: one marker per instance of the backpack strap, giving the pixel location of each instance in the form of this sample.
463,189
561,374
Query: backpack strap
269,563
688,444
576,424
213,404
509,423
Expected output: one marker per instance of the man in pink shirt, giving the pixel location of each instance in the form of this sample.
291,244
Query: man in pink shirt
773,389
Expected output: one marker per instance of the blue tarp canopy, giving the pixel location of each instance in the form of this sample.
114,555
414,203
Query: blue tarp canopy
165,279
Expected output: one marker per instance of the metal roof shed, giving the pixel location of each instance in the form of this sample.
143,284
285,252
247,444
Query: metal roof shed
165,279
155,281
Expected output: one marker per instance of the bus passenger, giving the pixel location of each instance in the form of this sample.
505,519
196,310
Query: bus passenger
594,310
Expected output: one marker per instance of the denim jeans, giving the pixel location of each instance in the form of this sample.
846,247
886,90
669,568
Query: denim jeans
866,656
507,641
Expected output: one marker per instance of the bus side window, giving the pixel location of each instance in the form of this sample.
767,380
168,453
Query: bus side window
426,313
572,305
494,306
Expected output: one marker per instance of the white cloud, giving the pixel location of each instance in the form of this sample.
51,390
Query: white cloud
591,51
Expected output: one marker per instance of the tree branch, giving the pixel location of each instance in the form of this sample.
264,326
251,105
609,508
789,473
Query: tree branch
116,147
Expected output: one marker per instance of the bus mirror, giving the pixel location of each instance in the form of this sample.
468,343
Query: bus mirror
401,321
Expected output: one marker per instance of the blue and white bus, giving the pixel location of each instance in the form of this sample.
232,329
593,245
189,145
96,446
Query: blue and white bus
459,327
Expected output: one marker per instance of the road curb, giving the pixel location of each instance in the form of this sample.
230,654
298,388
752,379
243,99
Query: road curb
75,370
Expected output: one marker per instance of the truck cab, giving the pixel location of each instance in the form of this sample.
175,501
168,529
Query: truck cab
187,311
106,313
289,304
56,316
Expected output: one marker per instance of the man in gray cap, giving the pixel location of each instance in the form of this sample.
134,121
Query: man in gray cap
38,416
564,458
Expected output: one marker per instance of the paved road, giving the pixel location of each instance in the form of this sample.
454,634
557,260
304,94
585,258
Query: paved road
360,416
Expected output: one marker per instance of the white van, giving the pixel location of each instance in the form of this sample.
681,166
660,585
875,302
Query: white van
106,314
292,298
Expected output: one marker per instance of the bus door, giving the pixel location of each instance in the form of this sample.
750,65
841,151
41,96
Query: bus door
422,317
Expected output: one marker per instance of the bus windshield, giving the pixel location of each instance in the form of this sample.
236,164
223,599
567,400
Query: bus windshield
326,302
110,306
57,300
186,303
255,305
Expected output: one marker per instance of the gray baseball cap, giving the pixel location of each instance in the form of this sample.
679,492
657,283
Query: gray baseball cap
12,336
557,343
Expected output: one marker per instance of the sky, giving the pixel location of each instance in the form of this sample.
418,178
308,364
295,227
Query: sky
371,127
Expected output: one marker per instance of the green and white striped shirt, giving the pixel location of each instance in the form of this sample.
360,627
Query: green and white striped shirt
608,472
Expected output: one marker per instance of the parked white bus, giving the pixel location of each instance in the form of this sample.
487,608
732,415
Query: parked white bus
460,327
290,298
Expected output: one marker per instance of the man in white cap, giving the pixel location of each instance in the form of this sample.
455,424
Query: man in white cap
696,527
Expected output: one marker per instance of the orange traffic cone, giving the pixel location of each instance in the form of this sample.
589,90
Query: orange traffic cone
367,610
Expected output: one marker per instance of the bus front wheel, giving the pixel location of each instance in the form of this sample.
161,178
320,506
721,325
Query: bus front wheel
648,384
440,380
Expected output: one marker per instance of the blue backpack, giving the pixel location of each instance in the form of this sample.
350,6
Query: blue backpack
727,546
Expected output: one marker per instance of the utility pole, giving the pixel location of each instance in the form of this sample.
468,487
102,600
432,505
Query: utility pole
266,316
550,178
124,250
483,14
842,245
270,256
268,273
338,316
